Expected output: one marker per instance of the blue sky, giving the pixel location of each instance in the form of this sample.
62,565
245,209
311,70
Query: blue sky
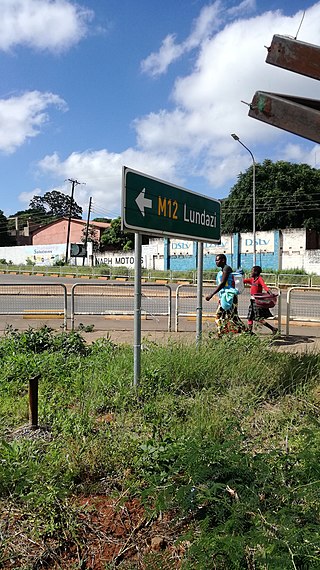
90,86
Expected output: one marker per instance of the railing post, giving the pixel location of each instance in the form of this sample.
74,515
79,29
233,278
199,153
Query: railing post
288,311
279,309
65,307
72,306
176,324
169,306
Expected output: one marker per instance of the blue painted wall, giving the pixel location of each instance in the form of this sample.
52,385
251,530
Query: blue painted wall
185,262
267,260
188,261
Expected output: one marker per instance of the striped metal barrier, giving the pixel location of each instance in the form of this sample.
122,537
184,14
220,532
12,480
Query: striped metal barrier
38,301
303,304
118,299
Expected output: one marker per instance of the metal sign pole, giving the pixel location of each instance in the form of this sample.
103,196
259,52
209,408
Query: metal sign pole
137,310
199,293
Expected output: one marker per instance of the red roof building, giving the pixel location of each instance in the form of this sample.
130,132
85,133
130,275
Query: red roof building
56,232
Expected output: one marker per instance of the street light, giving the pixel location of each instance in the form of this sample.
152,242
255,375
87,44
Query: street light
236,138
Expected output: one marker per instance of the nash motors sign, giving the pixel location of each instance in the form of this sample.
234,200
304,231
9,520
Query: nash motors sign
156,207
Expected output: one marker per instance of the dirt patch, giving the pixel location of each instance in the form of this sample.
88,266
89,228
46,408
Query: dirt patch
120,533
111,533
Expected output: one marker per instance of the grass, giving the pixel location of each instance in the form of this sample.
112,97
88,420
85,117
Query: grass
220,443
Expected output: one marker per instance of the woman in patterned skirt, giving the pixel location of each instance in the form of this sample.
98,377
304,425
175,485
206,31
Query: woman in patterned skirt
227,320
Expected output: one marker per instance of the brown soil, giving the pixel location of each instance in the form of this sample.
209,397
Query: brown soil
112,533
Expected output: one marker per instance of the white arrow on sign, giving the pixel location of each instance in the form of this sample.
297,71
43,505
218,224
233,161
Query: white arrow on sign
143,202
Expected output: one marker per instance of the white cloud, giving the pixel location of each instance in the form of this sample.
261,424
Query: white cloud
242,8
23,116
26,197
52,25
100,175
158,62
192,142
229,67
297,153
210,19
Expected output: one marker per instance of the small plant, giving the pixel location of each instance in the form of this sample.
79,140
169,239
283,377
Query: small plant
31,340
70,343
85,328
103,345
59,263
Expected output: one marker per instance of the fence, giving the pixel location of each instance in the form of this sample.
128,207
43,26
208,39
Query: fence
118,299
184,277
186,304
303,304
34,300
50,300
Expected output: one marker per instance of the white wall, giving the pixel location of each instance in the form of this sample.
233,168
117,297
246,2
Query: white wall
264,242
225,246
38,254
312,261
151,256
294,252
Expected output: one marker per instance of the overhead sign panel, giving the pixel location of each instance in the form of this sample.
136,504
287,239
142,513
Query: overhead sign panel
156,207
297,115
294,55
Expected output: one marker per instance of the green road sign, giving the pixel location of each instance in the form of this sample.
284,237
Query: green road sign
156,207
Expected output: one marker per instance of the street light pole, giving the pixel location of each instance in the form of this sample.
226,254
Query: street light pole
236,138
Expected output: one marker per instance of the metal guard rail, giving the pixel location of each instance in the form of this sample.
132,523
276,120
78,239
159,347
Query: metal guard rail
129,288
38,291
313,307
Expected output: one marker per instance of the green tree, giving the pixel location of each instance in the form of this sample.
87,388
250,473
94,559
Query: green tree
92,237
35,216
105,220
287,196
5,237
55,205
115,237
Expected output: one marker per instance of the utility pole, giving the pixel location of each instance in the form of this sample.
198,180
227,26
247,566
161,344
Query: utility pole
73,183
87,230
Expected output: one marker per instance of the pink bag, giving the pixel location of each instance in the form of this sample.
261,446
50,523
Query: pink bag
266,300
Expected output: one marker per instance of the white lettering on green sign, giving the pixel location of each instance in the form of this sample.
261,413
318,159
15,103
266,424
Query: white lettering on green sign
201,218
